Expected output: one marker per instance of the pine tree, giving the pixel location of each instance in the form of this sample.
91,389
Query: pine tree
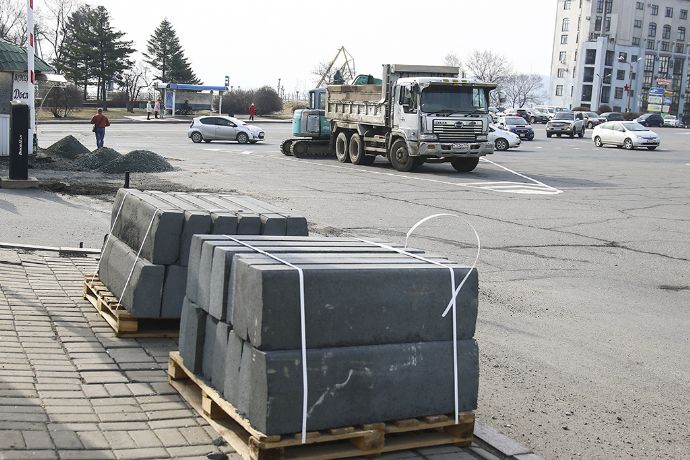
94,52
165,54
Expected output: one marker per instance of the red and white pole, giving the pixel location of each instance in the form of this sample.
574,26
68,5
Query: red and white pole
31,79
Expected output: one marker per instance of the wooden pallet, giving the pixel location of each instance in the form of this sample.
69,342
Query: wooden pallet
122,322
367,440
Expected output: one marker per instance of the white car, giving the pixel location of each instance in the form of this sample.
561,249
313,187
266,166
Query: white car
672,121
223,128
626,134
502,139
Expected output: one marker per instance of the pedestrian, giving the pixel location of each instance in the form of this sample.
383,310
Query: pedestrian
149,109
252,111
157,108
100,122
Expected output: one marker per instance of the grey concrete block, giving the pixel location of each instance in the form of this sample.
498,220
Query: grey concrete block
348,305
209,347
248,223
139,211
174,288
233,359
223,223
273,224
195,223
296,224
218,361
192,333
355,385
143,293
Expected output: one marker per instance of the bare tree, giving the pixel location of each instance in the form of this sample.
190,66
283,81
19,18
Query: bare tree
135,79
453,60
13,21
488,66
54,29
521,89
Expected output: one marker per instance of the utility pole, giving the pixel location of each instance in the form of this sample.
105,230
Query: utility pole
30,76
279,86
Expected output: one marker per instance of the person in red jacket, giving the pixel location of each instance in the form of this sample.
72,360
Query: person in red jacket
252,111
100,122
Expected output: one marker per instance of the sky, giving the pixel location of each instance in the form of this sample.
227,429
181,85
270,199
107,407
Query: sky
256,42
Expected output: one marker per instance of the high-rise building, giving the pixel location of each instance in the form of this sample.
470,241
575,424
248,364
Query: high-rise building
613,51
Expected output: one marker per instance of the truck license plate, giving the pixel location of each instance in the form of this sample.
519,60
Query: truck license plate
459,147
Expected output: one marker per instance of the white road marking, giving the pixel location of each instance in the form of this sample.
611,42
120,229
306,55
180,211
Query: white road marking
246,152
213,150
533,187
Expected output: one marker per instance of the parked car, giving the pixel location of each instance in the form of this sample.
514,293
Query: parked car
626,134
548,111
537,116
566,123
672,121
216,128
518,113
502,139
650,119
612,116
517,125
592,119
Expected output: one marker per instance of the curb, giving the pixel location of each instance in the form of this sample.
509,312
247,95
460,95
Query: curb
62,250
500,444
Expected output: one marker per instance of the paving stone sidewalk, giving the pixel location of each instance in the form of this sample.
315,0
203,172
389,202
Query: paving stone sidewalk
70,389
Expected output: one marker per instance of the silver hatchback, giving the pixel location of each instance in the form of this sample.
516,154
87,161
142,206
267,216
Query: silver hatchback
223,128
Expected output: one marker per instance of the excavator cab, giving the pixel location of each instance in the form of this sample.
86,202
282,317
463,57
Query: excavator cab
312,122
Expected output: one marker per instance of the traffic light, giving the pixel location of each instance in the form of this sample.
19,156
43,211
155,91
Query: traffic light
227,81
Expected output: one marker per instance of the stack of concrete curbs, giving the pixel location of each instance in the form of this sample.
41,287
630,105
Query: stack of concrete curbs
145,259
377,346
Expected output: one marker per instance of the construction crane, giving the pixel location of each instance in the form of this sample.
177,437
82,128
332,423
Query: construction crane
346,71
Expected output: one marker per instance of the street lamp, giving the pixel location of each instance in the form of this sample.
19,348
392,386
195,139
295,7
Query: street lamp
601,86
622,58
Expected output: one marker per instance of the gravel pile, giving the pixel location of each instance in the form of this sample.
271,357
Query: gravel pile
68,147
138,161
97,159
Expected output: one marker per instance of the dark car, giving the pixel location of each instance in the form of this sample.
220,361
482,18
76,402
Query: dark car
592,119
518,113
650,119
537,116
517,125
612,116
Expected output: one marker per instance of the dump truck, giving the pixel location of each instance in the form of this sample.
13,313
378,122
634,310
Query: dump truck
417,114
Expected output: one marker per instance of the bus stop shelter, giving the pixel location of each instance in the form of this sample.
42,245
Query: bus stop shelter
177,94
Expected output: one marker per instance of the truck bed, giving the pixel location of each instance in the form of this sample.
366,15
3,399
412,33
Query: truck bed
356,104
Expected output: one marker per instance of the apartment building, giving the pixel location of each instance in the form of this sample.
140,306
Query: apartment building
613,51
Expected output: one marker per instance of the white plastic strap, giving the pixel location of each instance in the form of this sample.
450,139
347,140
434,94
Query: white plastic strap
109,235
129,277
305,385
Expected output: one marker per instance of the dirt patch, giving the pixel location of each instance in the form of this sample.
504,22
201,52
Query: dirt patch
138,161
97,159
67,147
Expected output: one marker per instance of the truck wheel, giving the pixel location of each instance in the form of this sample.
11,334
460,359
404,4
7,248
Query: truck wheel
341,148
400,157
464,164
356,150
285,147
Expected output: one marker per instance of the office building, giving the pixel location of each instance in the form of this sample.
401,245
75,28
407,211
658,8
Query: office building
603,48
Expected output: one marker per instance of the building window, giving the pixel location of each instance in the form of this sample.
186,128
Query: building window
683,14
636,41
655,10
561,56
649,62
681,35
652,30
679,47
566,25
559,90
566,4
665,46
638,23
620,75
564,39
663,64
623,56
633,76
640,6
561,73
666,34
590,56
650,44
588,74
619,93
587,93
609,6
669,12
609,58
597,24
607,24
605,94
600,6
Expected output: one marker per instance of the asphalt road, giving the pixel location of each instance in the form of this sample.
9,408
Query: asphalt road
584,268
